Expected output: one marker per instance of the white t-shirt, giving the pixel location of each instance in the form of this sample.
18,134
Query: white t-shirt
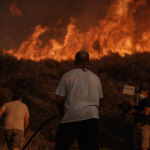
16,112
82,91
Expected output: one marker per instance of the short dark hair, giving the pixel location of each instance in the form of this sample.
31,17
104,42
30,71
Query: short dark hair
82,57
16,96
142,88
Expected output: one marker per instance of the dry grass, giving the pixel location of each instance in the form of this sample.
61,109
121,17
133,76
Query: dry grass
38,93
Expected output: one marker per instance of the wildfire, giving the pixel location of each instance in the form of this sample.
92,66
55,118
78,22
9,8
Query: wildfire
15,10
116,33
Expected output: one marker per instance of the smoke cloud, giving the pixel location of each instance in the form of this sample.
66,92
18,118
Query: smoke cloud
16,28
19,19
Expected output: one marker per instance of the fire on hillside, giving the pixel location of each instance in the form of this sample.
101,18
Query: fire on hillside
118,32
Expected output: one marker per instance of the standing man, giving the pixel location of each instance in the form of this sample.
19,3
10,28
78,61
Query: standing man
77,98
141,120
16,121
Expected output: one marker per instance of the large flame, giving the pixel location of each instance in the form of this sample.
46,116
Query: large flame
116,33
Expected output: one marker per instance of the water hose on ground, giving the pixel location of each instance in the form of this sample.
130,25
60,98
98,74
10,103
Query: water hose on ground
50,119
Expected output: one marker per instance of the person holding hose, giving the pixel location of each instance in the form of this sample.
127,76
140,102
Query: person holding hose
77,98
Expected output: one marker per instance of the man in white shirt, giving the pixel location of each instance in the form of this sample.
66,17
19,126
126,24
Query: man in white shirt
77,97
16,121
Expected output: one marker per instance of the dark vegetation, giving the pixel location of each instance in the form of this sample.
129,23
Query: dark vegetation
37,81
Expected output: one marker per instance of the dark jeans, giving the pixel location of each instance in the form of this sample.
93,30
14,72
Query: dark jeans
85,132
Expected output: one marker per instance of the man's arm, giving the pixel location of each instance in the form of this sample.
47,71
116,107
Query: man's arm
1,112
26,122
143,112
60,103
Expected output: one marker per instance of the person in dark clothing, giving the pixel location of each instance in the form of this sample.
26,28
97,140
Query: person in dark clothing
141,120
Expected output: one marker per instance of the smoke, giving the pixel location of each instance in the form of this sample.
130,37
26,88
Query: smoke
56,15
16,28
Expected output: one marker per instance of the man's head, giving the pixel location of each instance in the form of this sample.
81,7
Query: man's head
81,58
16,96
142,92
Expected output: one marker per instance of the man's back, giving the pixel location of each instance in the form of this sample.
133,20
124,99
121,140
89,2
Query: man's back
82,90
16,112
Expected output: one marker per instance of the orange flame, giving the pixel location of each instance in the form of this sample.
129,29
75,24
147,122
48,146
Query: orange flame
115,33
15,10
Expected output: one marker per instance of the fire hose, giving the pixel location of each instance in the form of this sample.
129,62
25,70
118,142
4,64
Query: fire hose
39,130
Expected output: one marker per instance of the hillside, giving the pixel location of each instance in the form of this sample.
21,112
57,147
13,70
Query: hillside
37,81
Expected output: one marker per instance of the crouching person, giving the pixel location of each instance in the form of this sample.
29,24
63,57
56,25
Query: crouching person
16,121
